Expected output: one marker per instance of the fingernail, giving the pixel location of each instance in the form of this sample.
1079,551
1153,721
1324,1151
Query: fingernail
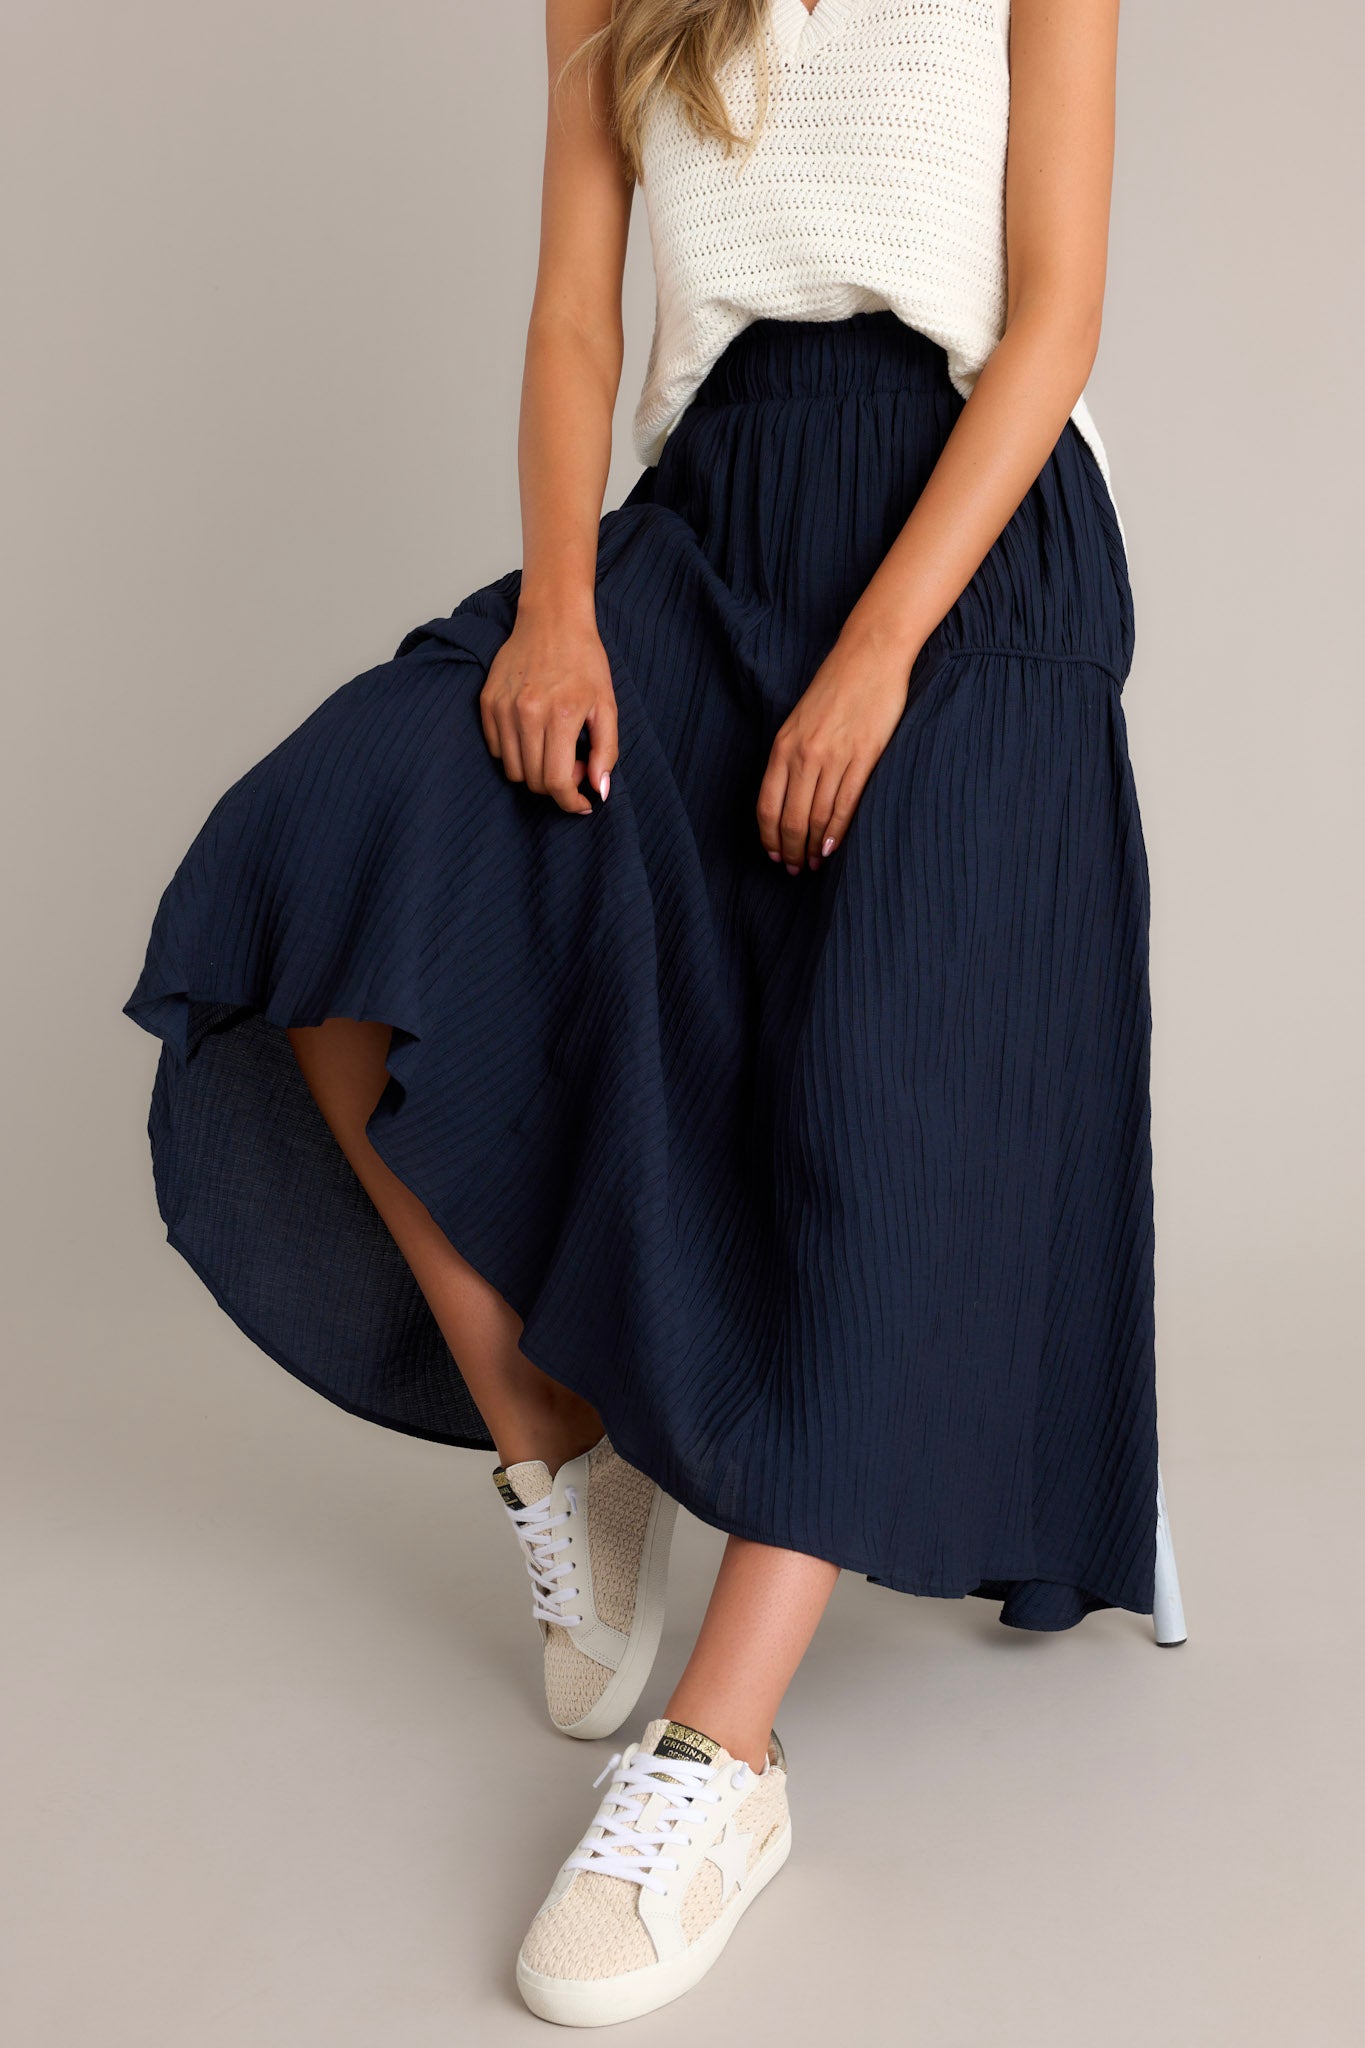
814,860
791,867
774,856
828,847
604,786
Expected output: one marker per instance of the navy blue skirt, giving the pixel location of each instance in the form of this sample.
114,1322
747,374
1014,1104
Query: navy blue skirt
832,1193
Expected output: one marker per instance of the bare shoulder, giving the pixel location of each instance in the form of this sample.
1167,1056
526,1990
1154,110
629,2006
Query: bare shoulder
1062,40
1063,58
569,23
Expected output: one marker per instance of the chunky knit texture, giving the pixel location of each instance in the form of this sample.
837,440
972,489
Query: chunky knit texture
591,1927
761,1818
619,1501
594,1930
573,1683
878,181
613,1512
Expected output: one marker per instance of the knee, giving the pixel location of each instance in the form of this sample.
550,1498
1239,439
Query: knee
343,1062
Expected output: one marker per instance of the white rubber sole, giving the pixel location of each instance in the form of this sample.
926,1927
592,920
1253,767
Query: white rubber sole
604,2001
631,1675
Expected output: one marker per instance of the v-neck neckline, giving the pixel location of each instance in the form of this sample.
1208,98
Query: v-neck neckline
800,29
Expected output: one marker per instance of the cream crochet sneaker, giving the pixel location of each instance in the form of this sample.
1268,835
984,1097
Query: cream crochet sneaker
595,1537
685,1839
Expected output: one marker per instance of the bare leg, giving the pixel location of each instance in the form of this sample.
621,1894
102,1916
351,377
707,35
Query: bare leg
528,1414
766,1603
763,1611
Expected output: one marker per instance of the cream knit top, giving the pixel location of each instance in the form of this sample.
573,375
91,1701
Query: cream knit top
878,181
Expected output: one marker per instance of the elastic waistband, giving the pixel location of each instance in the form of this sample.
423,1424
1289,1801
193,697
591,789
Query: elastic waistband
793,358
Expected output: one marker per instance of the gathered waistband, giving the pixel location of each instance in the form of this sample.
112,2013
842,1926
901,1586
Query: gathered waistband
873,351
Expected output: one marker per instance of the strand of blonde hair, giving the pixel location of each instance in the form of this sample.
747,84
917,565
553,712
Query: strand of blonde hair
681,47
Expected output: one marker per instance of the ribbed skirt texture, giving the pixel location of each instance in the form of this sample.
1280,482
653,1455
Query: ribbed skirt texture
832,1192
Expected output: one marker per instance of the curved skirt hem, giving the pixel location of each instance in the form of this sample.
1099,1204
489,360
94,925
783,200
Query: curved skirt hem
1054,1604
834,1200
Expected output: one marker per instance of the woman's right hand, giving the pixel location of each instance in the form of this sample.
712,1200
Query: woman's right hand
548,680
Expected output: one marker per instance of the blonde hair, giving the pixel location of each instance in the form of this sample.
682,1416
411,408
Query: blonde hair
651,47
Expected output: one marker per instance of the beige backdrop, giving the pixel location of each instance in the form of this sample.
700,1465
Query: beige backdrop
266,268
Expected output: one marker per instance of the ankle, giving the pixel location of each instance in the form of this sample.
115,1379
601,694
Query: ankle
740,1734
554,1426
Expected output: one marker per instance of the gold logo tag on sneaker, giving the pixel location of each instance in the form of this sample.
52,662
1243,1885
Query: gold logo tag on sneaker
506,1488
688,1743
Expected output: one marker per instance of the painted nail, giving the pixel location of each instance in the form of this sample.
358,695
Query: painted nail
774,856
814,861
827,848
791,868
604,786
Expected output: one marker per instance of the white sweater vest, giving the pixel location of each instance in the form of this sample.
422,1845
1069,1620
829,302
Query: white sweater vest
878,182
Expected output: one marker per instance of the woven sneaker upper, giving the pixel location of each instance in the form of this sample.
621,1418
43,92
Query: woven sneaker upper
619,1500
596,1922
583,1532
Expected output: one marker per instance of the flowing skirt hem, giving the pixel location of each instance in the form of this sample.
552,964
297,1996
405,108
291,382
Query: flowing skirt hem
1039,1602
1064,1600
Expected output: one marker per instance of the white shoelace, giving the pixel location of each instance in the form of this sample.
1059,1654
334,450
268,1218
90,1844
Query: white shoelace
624,1848
553,1586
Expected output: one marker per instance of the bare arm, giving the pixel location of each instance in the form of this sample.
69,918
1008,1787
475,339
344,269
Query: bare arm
551,677
1062,65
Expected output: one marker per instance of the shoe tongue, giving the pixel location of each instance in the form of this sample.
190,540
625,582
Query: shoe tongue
665,1739
522,1485
675,1738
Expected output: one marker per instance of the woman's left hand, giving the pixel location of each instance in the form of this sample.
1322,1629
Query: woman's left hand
827,749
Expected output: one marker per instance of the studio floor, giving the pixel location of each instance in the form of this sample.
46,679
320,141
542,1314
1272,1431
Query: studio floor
284,1782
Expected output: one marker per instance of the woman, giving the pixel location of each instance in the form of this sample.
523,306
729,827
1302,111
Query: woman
699,986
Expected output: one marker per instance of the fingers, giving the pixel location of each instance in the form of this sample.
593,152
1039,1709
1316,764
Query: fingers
771,797
534,733
805,806
559,761
488,719
851,787
508,749
602,752
784,802
819,842
493,708
803,776
528,719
